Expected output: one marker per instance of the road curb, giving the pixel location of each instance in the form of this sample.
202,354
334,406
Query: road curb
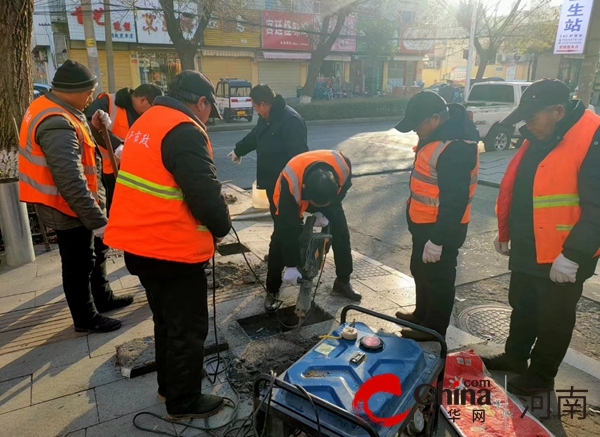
488,184
228,128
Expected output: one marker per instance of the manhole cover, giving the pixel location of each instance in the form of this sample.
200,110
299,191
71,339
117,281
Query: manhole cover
490,322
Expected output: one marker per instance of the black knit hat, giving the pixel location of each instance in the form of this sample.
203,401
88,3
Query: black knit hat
73,77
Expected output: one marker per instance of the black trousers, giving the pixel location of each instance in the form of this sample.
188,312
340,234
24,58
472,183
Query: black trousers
83,259
342,252
109,181
434,285
180,309
544,313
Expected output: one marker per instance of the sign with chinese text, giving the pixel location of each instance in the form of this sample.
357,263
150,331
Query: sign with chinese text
573,26
348,30
152,26
416,41
121,16
283,30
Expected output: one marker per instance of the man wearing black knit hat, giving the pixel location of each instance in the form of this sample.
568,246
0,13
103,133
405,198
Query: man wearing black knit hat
60,172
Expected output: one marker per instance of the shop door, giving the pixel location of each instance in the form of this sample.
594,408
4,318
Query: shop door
216,67
283,77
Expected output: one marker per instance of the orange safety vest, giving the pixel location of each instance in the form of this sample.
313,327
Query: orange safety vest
149,216
424,202
296,167
36,183
119,126
555,190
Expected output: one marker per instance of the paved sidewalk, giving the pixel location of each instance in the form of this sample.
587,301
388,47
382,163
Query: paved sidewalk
492,166
55,382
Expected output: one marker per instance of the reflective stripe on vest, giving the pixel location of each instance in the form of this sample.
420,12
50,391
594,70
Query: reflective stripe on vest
424,195
35,179
296,167
149,216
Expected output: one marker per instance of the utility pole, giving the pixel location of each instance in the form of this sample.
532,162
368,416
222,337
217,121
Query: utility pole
474,6
90,41
110,57
587,77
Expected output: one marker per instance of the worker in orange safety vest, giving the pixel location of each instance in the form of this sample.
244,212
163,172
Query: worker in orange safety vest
442,188
549,225
124,108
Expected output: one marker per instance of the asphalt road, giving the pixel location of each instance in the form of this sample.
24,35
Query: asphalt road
375,206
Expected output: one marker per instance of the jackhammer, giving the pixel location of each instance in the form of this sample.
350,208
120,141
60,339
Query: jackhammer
313,248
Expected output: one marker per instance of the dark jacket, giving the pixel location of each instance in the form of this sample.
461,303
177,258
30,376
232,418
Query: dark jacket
185,154
584,239
287,222
122,100
58,140
454,179
276,141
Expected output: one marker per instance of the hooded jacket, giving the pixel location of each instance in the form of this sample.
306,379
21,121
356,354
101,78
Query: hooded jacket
276,140
454,178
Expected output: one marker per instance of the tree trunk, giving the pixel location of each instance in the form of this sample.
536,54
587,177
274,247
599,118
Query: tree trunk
534,68
483,62
314,67
187,55
373,75
16,22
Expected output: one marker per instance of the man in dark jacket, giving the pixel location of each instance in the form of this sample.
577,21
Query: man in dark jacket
323,178
549,213
168,212
442,186
82,252
134,103
279,135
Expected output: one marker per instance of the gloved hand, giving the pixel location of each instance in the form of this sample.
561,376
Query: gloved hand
291,275
234,158
99,232
321,221
119,152
431,253
501,246
563,270
100,118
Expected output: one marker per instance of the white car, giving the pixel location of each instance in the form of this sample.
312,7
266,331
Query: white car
488,104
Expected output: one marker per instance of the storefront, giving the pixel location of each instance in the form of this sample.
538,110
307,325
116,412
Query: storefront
217,64
401,73
570,69
158,68
282,71
125,64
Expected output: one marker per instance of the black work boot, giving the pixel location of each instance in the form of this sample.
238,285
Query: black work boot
345,289
415,335
408,317
99,324
272,303
204,406
530,385
114,304
505,363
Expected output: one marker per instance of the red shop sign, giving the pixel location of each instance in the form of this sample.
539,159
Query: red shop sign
284,30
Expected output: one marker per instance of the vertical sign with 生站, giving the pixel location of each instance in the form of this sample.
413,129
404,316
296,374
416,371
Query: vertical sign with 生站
286,30
573,27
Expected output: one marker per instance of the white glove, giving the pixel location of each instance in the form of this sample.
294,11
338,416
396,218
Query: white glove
501,246
291,275
100,118
321,221
119,152
431,253
563,270
99,232
234,158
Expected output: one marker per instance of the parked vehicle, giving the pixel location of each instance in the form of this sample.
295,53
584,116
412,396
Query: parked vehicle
39,89
233,99
488,104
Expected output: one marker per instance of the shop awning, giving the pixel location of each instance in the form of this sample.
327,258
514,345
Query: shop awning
339,58
228,53
409,57
286,56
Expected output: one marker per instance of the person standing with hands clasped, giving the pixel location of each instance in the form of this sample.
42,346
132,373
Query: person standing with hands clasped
549,225
167,214
442,187
60,171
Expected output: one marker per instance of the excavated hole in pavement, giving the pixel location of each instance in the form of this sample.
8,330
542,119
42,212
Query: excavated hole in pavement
232,248
268,324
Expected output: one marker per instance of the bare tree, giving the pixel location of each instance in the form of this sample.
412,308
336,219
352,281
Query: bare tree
328,29
16,23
